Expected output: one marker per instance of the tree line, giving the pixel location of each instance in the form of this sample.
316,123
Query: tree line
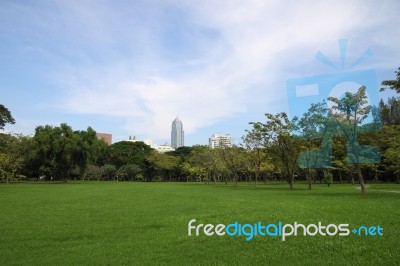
324,145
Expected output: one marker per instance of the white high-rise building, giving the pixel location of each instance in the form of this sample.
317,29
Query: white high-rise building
177,134
220,140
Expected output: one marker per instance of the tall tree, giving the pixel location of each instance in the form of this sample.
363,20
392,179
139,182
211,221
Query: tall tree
5,117
390,111
59,150
85,149
315,131
389,142
349,112
255,142
234,158
209,162
164,163
11,157
282,145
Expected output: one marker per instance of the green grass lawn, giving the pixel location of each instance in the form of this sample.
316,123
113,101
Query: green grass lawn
125,223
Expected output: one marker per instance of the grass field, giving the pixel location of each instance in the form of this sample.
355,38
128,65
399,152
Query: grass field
124,223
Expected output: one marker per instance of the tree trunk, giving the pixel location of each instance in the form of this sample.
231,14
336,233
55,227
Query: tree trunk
291,181
308,177
256,177
398,177
361,180
340,177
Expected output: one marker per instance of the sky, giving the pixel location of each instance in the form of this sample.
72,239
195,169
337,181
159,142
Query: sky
130,67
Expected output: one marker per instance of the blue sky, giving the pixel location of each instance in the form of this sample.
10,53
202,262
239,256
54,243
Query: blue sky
129,67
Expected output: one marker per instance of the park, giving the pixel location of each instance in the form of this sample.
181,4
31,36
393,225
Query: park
305,191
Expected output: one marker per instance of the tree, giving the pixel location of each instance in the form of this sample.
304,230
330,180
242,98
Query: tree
349,112
255,142
328,179
128,152
108,171
129,171
392,156
5,117
392,84
390,145
234,158
59,150
54,150
315,133
164,163
282,145
205,163
85,149
390,111
11,157
93,172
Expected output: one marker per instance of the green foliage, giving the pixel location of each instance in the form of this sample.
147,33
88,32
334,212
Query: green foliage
108,172
256,142
390,111
5,117
268,150
281,145
128,152
130,172
328,179
349,112
58,150
392,84
205,164
182,152
93,172
316,130
162,163
11,157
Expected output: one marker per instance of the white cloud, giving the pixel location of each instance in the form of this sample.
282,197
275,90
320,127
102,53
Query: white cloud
254,42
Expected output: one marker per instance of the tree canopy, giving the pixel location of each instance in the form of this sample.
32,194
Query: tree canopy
5,117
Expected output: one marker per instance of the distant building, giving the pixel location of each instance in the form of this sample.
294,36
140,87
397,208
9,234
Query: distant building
159,148
164,148
220,140
177,134
107,138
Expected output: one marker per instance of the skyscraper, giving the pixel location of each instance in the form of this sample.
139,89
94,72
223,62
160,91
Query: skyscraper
177,134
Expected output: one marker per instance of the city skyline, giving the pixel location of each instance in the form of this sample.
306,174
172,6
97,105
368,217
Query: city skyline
123,66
